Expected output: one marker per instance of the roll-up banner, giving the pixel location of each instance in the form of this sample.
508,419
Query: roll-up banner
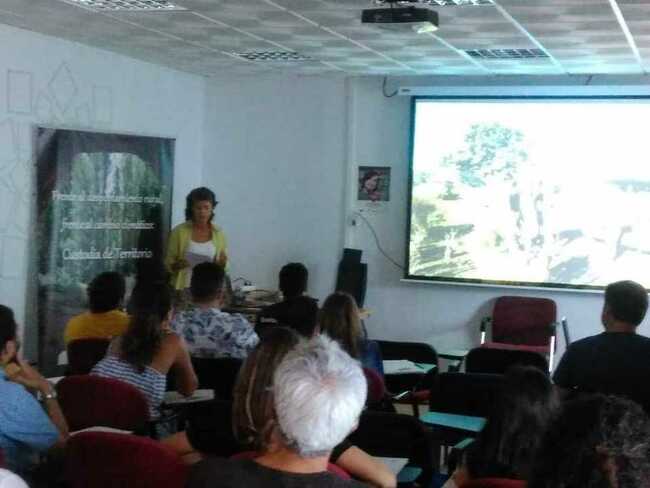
103,204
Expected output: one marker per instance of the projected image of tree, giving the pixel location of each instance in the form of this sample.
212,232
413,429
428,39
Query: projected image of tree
524,201
493,156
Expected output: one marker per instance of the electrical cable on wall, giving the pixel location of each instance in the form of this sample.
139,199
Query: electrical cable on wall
383,89
374,234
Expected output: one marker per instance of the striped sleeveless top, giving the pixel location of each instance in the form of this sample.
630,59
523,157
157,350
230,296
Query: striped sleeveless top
151,382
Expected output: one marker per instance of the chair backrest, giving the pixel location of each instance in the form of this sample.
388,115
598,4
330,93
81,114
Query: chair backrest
83,354
465,393
497,361
393,435
218,374
493,483
90,400
104,460
209,428
523,320
376,386
332,468
418,352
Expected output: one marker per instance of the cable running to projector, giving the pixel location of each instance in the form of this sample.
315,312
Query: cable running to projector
383,89
374,234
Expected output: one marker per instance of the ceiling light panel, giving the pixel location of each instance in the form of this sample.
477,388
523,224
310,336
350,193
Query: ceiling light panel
128,5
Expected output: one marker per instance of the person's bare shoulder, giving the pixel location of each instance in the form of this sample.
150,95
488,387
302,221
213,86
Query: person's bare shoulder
171,340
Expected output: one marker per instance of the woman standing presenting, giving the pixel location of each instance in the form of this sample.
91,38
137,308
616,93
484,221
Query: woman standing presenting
196,240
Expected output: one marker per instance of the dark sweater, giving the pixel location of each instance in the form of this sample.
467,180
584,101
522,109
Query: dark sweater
246,472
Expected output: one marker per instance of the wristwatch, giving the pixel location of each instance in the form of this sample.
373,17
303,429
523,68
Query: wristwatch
50,396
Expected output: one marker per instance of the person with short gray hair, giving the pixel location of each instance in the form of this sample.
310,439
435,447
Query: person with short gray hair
318,392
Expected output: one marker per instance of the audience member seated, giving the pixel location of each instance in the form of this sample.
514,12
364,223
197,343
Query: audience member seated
615,361
105,320
339,318
147,271
209,332
318,393
26,427
300,315
597,441
252,417
506,446
297,310
149,349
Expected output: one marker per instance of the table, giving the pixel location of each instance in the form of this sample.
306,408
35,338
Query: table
173,398
404,377
404,366
448,429
395,465
398,466
464,423
455,356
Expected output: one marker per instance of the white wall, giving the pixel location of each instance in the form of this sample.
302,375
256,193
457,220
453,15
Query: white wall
275,157
282,155
44,80
446,315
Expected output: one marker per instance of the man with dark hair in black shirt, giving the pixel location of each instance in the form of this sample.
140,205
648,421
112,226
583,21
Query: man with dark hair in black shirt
297,310
616,361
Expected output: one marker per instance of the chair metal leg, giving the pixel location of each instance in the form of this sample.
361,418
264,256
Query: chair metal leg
416,408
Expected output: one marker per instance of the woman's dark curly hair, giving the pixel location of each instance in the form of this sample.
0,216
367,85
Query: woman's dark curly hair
596,441
201,194
506,446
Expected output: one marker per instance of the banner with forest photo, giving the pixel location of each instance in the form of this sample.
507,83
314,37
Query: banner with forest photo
103,204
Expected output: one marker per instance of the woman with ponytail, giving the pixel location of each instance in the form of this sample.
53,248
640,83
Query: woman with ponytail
149,349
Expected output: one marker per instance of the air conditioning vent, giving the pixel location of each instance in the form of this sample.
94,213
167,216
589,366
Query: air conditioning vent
270,56
506,53
439,3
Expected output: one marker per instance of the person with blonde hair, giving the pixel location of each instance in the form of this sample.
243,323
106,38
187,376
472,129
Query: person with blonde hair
340,319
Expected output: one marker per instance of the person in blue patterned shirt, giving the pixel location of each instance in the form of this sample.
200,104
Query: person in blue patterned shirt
209,332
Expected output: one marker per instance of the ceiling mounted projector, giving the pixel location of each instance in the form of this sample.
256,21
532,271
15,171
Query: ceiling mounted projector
420,20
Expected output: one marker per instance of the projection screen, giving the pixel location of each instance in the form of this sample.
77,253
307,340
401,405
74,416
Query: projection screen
544,192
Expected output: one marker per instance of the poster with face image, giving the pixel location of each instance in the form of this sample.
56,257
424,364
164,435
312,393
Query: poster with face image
374,184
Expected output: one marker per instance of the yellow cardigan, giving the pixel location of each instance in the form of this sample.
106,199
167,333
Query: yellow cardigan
179,240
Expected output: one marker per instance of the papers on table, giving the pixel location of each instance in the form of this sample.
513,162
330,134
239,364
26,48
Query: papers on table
403,366
54,380
101,428
62,358
394,464
175,398
193,259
